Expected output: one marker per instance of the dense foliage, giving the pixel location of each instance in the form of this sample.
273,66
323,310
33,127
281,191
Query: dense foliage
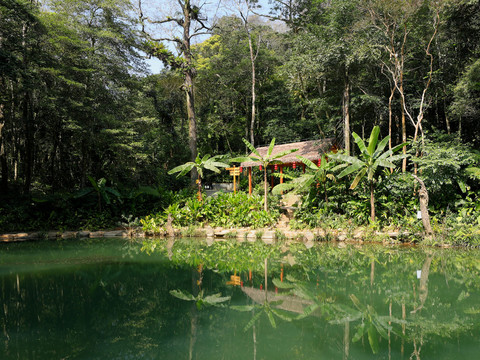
85,128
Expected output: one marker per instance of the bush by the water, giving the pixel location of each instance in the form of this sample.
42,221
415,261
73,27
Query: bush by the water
225,209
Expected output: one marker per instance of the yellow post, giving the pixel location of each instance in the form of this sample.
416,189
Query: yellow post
234,182
234,172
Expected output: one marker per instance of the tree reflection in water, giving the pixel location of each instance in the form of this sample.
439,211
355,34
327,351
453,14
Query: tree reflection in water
98,300
353,291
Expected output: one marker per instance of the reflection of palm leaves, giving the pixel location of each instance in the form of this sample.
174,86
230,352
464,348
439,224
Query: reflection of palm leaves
266,308
372,324
200,299
305,291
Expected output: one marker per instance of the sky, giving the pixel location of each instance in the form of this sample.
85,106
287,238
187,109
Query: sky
215,9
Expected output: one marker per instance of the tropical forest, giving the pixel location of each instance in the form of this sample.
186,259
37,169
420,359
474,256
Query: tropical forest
237,179
89,129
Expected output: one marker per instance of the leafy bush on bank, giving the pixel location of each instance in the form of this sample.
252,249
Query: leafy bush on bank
225,210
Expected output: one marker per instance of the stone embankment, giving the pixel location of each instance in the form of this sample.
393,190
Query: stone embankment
52,235
267,235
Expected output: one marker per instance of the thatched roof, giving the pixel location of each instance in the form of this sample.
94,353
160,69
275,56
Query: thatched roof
308,149
288,302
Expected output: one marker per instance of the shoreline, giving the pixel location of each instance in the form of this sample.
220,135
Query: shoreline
267,235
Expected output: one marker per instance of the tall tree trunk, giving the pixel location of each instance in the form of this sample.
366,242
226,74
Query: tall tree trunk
346,113
189,73
192,123
423,195
252,60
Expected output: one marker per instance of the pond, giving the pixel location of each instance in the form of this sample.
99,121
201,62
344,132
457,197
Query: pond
199,299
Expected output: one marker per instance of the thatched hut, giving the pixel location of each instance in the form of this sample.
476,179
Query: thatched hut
310,150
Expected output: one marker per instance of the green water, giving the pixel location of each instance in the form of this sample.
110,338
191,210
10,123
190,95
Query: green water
114,299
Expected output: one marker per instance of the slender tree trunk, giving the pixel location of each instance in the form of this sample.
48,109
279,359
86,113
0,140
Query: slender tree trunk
28,122
372,202
53,156
265,205
346,340
390,99
199,183
404,126
3,165
3,157
372,272
346,113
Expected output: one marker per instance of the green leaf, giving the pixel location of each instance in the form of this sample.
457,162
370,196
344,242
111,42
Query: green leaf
283,153
270,148
182,169
271,319
373,338
252,321
93,182
360,331
352,168
309,310
252,148
82,192
286,316
346,158
280,188
212,168
243,308
307,162
241,159
372,143
381,146
360,143
282,285
216,299
113,192
181,295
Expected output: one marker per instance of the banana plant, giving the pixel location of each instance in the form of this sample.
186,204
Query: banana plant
265,161
200,164
302,183
101,189
367,163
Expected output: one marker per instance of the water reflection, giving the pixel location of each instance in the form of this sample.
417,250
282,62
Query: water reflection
178,299
372,293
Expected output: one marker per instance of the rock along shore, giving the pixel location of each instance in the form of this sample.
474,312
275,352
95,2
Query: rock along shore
267,235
